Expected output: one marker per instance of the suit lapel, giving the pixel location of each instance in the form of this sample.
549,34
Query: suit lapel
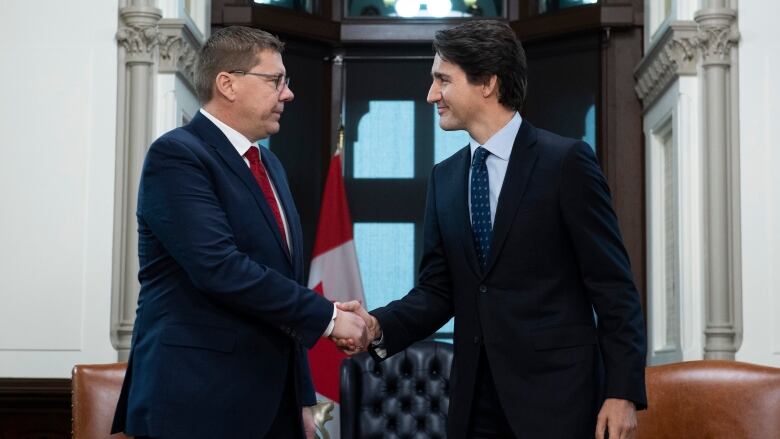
214,137
460,216
521,164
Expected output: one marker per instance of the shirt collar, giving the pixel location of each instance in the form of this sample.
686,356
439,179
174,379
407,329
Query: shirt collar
500,144
239,142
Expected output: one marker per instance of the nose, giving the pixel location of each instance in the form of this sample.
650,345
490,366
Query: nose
286,95
434,93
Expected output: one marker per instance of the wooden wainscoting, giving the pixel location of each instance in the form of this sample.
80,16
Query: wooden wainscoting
35,408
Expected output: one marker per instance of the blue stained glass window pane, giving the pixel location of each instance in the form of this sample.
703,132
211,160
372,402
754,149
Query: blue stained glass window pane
590,127
297,5
385,254
411,9
448,327
384,147
446,143
554,5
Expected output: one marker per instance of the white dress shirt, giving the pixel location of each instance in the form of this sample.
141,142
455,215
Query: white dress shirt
242,145
500,148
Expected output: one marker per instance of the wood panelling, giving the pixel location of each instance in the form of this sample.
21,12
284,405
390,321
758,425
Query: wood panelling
35,408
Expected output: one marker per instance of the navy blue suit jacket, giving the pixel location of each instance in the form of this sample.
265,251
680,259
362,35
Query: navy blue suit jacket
556,256
222,314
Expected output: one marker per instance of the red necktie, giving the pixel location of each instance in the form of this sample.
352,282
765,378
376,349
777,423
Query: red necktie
258,170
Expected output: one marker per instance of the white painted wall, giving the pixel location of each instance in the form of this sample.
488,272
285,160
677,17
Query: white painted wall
176,104
198,14
759,107
58,70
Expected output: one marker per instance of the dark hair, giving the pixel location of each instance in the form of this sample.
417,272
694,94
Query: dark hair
230,48
483,48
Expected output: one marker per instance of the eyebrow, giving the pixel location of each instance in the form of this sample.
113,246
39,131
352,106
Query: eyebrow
273,72
438,75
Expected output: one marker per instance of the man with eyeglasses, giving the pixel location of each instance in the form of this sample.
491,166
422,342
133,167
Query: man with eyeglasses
223,319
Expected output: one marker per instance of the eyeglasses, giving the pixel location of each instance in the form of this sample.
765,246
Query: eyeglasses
278,79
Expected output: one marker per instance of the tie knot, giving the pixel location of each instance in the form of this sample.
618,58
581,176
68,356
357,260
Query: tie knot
480,155
253,155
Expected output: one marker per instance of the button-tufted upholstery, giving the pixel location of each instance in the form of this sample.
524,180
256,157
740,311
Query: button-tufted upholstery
712,400
405,396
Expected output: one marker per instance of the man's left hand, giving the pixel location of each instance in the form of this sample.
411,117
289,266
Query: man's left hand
309,428
618,416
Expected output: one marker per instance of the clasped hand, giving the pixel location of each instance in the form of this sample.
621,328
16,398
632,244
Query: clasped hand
354,328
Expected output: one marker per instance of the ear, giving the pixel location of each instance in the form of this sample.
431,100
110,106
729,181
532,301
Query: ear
225,86
490,86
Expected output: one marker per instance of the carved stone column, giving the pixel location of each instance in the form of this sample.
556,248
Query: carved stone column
138,37
717,36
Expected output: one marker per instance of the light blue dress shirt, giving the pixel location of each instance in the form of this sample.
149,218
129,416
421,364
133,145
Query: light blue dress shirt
500,148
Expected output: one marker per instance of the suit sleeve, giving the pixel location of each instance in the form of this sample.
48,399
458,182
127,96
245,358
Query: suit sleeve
606,273
177,200
429,304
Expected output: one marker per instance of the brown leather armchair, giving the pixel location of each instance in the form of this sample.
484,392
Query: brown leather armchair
95,393
711,400
96,390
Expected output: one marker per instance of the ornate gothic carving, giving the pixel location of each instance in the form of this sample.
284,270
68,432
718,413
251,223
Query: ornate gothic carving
139,42
138,32
710,38
178,49
673,55
717,34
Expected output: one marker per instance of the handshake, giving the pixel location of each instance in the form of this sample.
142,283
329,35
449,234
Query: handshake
354,328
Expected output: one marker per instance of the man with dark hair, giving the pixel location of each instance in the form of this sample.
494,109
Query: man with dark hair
223,320
522,246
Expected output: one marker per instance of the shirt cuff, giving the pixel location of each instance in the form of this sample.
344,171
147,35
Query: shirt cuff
332,323
378,346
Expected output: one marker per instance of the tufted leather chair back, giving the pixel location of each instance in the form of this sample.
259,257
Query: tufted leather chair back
711,399
405,396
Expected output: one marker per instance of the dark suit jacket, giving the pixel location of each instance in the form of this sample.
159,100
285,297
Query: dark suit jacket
222,314
556,256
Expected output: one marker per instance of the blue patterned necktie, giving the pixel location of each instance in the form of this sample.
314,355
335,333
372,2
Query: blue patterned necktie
480,205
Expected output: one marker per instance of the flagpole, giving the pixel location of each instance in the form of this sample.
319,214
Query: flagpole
340,143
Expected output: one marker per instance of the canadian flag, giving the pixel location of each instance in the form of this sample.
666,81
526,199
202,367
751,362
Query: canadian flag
334,274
